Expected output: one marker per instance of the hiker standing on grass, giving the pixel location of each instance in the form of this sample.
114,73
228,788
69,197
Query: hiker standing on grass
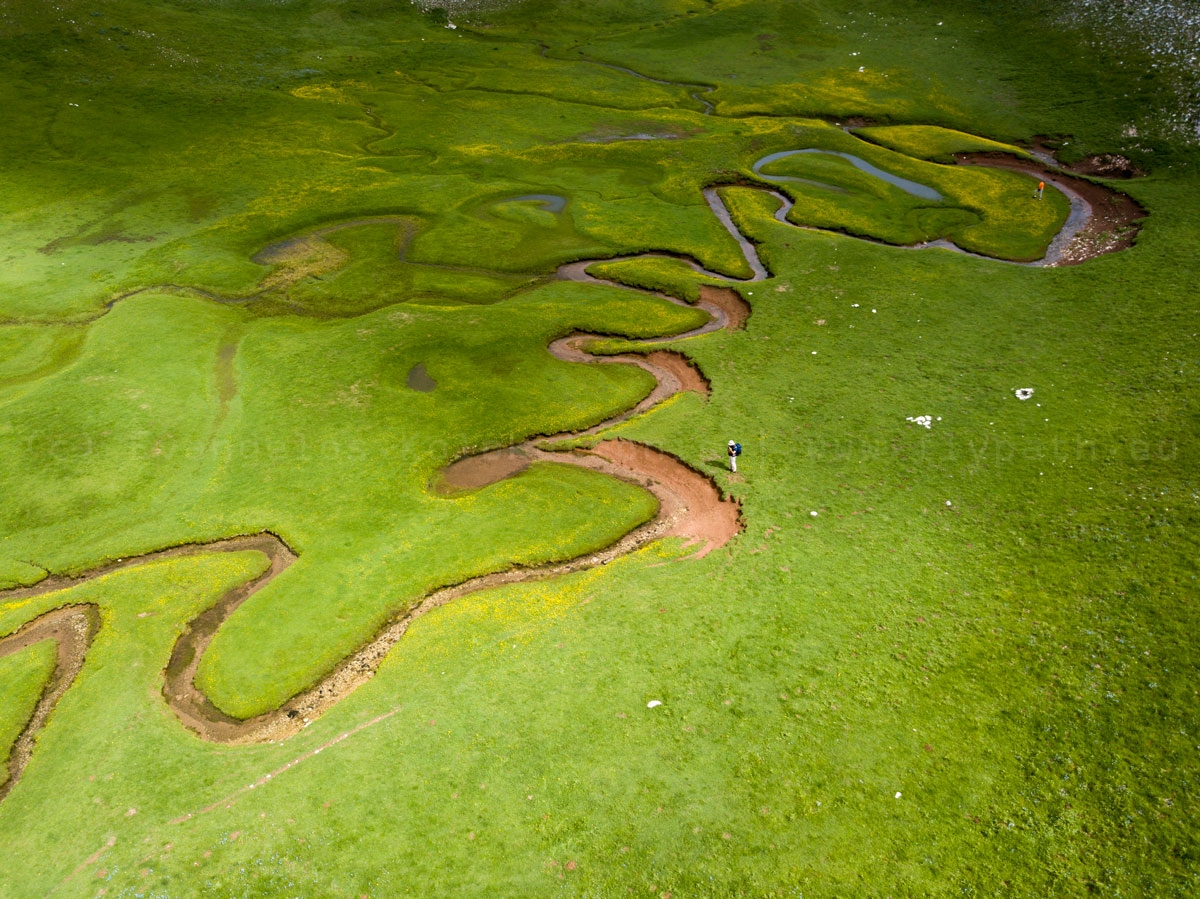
1037,194
735,450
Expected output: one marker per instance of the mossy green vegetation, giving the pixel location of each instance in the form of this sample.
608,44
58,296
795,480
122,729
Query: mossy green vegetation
932,142
30,352
656,273
946,660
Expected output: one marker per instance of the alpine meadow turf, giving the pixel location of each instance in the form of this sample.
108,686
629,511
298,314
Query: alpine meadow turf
952,652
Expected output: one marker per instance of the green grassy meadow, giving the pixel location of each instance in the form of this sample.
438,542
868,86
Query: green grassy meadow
955,660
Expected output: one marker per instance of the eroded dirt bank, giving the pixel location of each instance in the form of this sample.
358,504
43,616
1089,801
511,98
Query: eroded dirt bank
707,518
72,628
1110,221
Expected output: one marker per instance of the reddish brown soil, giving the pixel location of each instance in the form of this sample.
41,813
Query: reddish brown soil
189,704
690,378
1115,217
705,516
730,302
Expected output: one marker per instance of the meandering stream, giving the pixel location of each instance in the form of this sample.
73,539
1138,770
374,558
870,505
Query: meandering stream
690,506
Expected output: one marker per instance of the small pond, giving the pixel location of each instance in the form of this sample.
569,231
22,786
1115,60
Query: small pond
549,202
418,379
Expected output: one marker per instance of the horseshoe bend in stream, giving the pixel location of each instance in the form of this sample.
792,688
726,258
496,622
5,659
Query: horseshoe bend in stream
690,506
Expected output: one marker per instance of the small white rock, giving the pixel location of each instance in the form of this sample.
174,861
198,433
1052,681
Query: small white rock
897,794
813,513
653,703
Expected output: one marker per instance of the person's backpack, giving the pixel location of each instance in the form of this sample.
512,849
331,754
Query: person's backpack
737,449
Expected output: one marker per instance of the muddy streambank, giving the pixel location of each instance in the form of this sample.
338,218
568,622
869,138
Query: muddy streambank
730,304
690,504
72,628
673,373
1102,221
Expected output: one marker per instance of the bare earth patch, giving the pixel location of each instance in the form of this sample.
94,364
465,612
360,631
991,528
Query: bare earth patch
474,472
690,378
729,301
706,517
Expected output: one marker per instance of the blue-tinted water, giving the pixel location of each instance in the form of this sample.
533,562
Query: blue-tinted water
418,379
549,202
909,187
